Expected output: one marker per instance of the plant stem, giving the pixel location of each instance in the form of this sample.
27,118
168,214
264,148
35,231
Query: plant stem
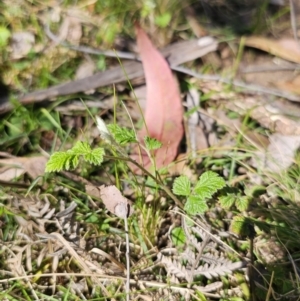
163,186
127,260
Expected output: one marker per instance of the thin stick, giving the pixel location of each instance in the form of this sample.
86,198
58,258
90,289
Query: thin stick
127,287
237,83
89,50
294,20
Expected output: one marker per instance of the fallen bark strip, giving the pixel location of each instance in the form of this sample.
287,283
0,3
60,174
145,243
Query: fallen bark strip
250,88
100,79
176,54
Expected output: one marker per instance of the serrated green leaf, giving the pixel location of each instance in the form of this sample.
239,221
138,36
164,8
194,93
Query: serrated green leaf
68,162
227,201
152,143
240,225
208,184
74,161
242,203
70,159
178,236
122,135
163,20
99,153
95,156
195,205
182,186
57,161
80,148
4,36
237,224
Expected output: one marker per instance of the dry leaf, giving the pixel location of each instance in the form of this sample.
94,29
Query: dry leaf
164,111
15,167
279,154
55,14
287,49
290,86
182,167
22,43
276,115
197,137
70,29
85,69
193,20
185,51
112,198
74,30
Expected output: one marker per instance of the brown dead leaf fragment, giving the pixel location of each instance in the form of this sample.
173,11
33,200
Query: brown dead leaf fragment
279,154
278,116
290,86
12,168
164,112
112,198
196,136
21,44
287,49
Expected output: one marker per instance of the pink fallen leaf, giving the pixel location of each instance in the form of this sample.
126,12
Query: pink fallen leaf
164,112
112,198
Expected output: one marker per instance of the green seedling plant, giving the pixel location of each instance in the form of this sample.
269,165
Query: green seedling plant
70,159
117,137
197,195
113,135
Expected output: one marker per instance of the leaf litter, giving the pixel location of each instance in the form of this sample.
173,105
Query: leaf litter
11,168
112,199
283,144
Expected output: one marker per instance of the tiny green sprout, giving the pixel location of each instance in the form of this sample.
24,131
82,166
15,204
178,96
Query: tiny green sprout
163,20
178,236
